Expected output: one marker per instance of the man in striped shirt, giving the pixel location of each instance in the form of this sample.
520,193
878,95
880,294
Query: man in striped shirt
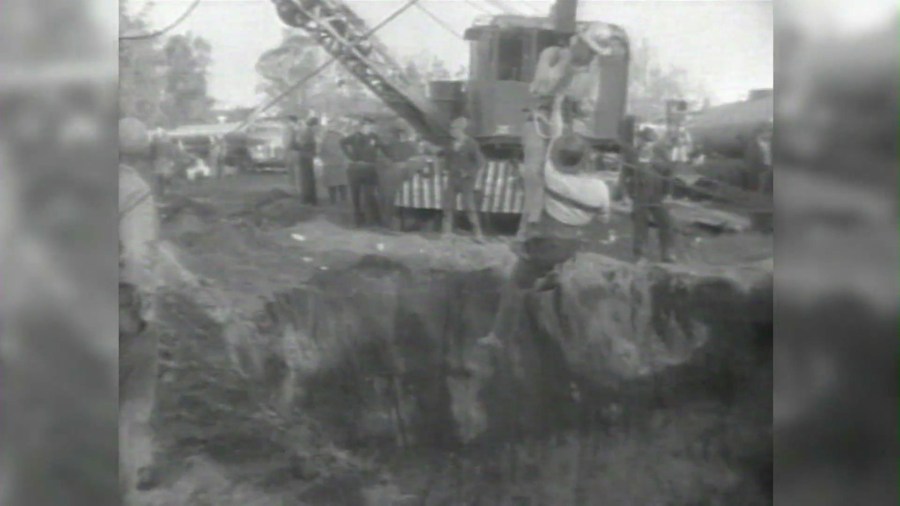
574,199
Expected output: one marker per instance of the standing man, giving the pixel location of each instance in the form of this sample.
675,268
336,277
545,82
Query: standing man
406,160
574,198
362,149
215,156
334,164
164,154
464,161
307,147
292,152
647,179
680,143
138,356
759,159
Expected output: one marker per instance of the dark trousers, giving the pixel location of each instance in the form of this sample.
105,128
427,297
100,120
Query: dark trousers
292,164
308,180
537,259
640,218
337,194
363,179
466,188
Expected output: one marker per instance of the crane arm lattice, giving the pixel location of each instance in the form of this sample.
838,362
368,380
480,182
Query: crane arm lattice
348,39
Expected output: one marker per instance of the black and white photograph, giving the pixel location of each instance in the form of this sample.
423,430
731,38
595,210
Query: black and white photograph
448,252
434,252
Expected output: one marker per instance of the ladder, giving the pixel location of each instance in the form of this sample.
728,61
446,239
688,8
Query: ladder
347,38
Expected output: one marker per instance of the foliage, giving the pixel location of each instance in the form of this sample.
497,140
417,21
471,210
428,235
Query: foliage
186,98
162,82
651,84
334,91
141,71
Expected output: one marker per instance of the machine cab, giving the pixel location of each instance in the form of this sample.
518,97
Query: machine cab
504,55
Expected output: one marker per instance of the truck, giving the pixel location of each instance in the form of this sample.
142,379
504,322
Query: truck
723,134
726,129
503,51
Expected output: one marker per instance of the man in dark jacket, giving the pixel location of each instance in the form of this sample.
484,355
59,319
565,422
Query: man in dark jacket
647,179
165,158
464,161
361,149
307,147
292,152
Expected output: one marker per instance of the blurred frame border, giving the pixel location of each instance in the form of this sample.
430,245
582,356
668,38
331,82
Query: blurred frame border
835,414
58,183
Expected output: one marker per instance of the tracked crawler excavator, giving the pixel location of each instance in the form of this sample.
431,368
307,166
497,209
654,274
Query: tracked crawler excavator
504,56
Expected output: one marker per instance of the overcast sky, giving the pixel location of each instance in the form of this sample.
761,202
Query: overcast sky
726,44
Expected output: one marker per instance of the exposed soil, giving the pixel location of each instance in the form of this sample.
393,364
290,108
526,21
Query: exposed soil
231,432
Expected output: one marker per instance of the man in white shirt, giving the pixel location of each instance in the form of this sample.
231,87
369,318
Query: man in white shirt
574,198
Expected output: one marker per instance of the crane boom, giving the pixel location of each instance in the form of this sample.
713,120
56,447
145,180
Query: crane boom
348,39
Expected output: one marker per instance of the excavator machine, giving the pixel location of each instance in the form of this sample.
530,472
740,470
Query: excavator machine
504,55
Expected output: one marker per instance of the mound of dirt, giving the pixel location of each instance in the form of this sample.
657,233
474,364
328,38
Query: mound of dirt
275,209
229,416
381,351
185,214
634,383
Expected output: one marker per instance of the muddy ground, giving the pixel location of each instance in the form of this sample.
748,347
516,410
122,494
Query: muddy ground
227,439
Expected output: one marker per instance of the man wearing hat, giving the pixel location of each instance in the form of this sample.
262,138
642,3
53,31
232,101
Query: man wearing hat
362,149
574,198
138,361
570,77
646,177
464,161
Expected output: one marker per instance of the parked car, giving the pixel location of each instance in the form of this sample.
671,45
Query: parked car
267,145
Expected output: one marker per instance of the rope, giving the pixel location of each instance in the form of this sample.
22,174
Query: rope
133,205
479,8
163,31
440,21
535,118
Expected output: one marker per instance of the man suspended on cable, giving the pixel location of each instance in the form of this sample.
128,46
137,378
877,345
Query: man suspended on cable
573,199
564,195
